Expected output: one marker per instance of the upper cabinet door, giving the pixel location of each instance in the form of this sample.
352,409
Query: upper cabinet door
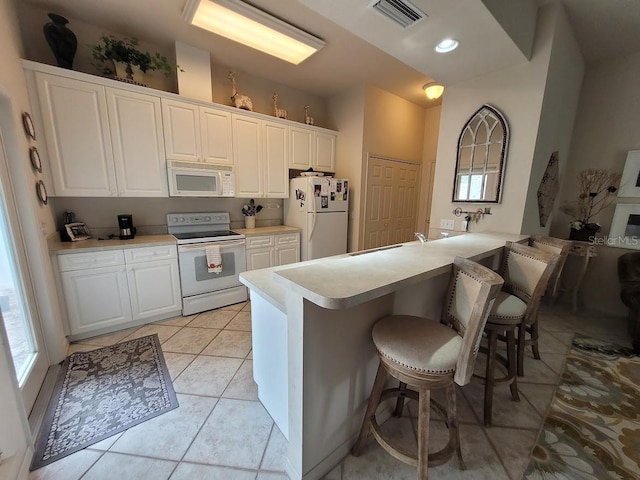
301,148
76,128
138,146
215,132
247,149
325,152
276,167
181,130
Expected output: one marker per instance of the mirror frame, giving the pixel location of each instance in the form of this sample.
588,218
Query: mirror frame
503,153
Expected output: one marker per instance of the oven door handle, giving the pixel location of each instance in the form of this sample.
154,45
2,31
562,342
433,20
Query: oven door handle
202,246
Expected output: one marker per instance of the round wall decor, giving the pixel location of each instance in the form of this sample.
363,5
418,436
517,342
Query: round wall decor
34,156
41,191
27,123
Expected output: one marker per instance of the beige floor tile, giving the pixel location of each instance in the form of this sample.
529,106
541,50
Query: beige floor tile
554,361
171,432
177,362
176,321
164,332
335,474
192,471
207,376
276,452
554,342
213,319
106,443
242,386
242,321
117,466
513,447
539,396
236,306
190,340
110,338
80,347
536,371
250,356
235,435
247,307
67,468
506,412
230,343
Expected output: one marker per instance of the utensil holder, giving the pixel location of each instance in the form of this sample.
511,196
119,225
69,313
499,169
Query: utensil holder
249,222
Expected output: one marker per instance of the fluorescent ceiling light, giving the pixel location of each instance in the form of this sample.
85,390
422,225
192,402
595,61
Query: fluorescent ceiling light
433,90
447,45
250,26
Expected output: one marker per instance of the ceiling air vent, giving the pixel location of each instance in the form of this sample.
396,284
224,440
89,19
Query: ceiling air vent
401,12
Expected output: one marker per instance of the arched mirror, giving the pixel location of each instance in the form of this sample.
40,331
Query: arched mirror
482,148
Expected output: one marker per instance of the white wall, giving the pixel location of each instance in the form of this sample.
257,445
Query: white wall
429,154
607,126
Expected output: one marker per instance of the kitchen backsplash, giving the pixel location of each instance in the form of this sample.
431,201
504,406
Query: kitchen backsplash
150,214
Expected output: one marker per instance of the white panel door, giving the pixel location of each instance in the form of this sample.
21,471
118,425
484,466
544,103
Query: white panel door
301,148
154,288
260,258
76,128
215,133
325,152
138,145
248,154
276,168
96,298
327,234
181,122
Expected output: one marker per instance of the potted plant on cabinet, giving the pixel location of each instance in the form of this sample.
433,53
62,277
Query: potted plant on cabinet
129,62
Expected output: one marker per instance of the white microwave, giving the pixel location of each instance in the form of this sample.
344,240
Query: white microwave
200,180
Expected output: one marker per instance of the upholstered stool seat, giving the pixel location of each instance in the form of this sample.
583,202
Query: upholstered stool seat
526,271
426,355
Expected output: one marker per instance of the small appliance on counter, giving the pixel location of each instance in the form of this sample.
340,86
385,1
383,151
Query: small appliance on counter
127,230
71,230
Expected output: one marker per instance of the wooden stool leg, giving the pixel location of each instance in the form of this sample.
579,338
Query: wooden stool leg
534,340
374,400
452,421
424,413
511,360
400,400
489,376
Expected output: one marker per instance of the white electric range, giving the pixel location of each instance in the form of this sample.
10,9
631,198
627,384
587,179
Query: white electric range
202,290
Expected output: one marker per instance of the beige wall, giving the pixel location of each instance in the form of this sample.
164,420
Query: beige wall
607,126
261,90
429,154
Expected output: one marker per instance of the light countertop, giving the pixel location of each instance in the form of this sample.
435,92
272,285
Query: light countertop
343,281
94,245
252,232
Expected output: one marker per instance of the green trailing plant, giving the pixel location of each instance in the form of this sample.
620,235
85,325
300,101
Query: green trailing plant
125,50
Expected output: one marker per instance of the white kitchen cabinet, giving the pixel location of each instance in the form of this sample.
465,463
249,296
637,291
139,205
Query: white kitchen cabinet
76,128
311,148
114,289
266,251
195,133
275,162
248,154
135,122
101,141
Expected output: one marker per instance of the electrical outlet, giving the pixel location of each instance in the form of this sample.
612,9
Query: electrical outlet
447,224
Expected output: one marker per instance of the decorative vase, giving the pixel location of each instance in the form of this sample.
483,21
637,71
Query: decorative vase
249,221
129,72
62,41
582,234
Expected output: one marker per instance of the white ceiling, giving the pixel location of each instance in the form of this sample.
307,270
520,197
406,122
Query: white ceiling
603,28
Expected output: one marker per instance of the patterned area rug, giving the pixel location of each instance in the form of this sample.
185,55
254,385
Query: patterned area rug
592,430
101,393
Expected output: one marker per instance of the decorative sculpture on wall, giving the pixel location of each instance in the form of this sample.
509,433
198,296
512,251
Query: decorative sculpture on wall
307,119
62,41
238,100
278,112
548,189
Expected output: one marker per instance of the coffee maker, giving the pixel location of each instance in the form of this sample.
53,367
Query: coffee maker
127,230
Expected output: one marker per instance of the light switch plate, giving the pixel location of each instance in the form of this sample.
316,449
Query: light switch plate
448,224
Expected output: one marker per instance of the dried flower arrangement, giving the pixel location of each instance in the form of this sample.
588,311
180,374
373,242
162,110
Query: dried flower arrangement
597,187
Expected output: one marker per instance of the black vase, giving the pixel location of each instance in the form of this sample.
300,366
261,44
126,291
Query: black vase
62,41
583,234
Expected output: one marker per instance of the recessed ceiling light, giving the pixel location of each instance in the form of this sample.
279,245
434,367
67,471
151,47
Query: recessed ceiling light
447,45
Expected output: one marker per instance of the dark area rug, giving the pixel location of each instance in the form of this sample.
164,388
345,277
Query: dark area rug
101,393
592,429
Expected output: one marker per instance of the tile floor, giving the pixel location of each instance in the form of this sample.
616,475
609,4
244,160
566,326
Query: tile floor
222,432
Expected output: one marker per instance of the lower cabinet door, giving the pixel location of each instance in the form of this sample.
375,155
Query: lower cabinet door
154,288
259,258
287,254
96,298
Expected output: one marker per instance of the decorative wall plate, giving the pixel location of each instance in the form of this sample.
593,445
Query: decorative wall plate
34,156
27,123
41,192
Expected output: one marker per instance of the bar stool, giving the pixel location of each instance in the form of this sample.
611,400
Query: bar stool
561,248
427,355
526,271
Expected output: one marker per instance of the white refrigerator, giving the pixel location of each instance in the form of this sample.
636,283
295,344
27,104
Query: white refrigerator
319,206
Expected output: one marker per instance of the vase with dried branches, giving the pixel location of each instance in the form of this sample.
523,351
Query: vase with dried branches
597,188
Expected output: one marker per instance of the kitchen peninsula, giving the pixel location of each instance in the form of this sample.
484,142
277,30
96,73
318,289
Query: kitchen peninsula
314,361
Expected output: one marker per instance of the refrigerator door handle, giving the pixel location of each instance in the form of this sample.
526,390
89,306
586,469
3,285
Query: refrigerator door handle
313,224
